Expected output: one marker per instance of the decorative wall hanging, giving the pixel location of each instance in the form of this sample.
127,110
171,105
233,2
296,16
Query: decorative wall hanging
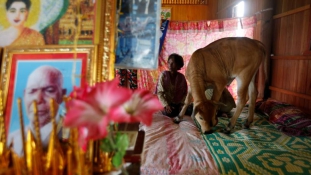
32,24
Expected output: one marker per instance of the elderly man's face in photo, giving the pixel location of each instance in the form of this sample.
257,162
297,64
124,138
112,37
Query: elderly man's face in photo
42,85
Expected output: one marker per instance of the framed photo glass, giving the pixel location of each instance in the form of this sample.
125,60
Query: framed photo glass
138,39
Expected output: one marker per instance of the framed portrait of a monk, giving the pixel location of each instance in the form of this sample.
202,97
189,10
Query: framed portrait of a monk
40,74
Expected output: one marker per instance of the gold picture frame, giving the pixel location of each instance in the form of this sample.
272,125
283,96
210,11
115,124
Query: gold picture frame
100,60
1,50
105,37
184,2
77,64
105,33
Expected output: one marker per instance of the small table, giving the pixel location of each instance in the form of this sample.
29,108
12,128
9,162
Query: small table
133,155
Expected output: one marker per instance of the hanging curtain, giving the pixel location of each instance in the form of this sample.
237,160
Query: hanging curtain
184,37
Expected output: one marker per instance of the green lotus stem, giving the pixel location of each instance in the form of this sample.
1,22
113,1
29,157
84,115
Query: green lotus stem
111,138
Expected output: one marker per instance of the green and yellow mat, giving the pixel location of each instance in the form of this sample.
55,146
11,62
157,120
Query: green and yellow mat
260,150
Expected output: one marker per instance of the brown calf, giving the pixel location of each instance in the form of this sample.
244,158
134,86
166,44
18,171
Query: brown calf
216,65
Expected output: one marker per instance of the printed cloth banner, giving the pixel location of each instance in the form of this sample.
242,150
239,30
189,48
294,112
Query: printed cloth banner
212,25
184,37
163,28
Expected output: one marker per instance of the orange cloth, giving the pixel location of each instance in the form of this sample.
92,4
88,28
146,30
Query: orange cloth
29,37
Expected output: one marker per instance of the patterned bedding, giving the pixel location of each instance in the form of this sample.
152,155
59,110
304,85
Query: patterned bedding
260,150
287,118
171,148
263,149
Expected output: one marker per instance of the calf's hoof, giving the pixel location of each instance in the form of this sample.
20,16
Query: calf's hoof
247,124
208,132
177,119
226,130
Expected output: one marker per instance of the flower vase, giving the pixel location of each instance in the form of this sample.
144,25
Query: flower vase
106,161
101,160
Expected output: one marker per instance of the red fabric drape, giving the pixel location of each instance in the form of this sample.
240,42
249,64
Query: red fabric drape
184,37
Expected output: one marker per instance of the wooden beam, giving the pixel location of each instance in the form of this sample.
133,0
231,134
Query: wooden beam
305,96
300,9
285,57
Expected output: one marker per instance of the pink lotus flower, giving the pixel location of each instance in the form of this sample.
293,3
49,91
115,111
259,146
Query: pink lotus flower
139,108
89,108
93,108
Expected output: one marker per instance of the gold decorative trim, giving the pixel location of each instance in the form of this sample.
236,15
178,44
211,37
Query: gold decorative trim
184,2
108,40
106,37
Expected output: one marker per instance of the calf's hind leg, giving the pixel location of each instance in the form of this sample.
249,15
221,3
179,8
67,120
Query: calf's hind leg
252,92
216,97
242,99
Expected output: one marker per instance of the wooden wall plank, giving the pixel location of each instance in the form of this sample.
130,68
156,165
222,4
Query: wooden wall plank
306,29
292,75
290,57
301,3
297,41
291,70
190,12
278,6
277,73
291,93
308,81
299,82
301,22
283,40
286,76
288,5
288,30
256,30
273,68
303,103
276,37
302,76
291,12
276,95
